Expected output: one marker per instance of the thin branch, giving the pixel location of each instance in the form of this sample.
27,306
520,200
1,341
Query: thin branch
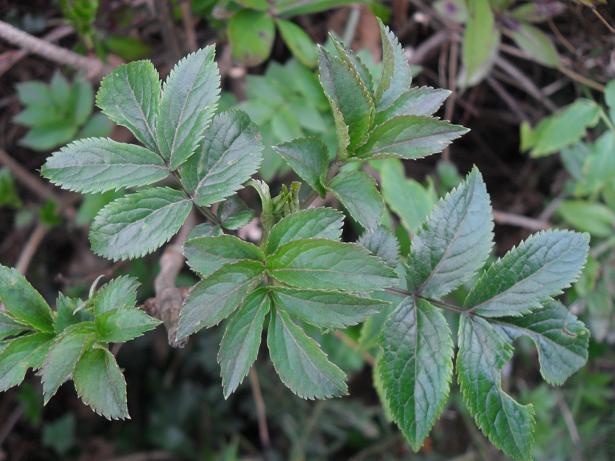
525,83
91,66
419,54
507,98
28,251
511,219
261,410
10,423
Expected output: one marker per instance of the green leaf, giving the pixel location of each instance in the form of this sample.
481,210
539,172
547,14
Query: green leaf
189,100
8,193
562,129
205,255
59,89
320,223
67,313
19,355
139,223
348,96
561,339
100,165
609,98
416,367
119,293
539,267
382,243
455,241
300,363
100,384
410,137
9,327
288,8
122,325
130,96
299,42
396,76
587,216
234,213
406,197
329,265
82,96
308,158
63,356
251,35
43,138
242,339
483,352
422,100
231,152
23,302
34,93
326,309
536,44
357,191
218,296
481,40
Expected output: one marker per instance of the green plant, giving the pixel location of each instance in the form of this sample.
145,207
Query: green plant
301,276
58,113
70,342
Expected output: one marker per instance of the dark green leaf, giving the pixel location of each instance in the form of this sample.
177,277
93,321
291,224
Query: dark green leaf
251,35
422,100
206,255
396,75
139,223
382,243
300,362
121,325
308,158
9,327
119,293
19,355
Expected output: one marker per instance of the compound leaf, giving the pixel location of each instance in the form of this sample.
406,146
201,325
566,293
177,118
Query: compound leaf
328,265
483,352
539,267
456,240
561,339
206,255
357,191
189,100
231,152
242,339
321,223
299,361
410,137
139,223
100,384
416,367
101,164
216,297
130,96
326,309
23,302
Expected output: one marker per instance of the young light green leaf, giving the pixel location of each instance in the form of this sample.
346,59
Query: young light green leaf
100,384
561,339
536,44
409,199
539,267
139,223
455,241
410,137
206,255
189,100
23,302
313,223
251,35
119,293
20,354
121,325
481,40
358,193
242,339
396,76
101,164
416,367
289,8
328,265
588,216
483,352
63,356
326,309
231,152
299,42
130,96
308,158
347,92
216,297
422,100
382,243
300,362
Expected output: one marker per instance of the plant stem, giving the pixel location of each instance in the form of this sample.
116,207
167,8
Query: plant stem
261,410
435,302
